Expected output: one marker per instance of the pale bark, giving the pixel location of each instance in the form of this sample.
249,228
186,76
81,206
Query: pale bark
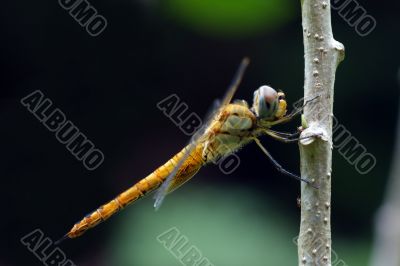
322,54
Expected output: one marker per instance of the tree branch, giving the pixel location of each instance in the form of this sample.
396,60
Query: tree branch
322,55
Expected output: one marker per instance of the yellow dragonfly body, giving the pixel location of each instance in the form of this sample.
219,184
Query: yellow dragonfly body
232,126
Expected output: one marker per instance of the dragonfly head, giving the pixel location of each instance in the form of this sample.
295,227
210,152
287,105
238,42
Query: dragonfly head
268,104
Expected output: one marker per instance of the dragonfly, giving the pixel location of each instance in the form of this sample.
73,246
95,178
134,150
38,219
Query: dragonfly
231,126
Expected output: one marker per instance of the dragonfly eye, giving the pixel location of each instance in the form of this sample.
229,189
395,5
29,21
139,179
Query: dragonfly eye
265,102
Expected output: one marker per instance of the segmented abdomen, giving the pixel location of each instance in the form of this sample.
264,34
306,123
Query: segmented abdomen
192,164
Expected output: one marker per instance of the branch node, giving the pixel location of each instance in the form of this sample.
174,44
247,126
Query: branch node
339,47
310,134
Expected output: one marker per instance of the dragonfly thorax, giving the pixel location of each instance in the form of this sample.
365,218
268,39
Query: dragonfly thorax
230,132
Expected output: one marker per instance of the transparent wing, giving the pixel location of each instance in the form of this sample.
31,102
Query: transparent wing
196,138
235,82
194,141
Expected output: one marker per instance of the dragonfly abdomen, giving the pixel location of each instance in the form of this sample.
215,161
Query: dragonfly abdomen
139,190
127,197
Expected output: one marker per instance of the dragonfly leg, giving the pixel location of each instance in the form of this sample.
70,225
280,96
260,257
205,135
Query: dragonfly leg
285,134
298,110
293,114
279,167
285,139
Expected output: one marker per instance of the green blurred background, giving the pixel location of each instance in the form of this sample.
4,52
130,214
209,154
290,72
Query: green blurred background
109,87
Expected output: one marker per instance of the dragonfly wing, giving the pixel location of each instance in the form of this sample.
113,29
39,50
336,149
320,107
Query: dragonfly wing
195,140
198,136
235,82
165,187
219,104
187,171
213,110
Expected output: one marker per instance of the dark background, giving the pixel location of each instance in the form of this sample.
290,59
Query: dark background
109,85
